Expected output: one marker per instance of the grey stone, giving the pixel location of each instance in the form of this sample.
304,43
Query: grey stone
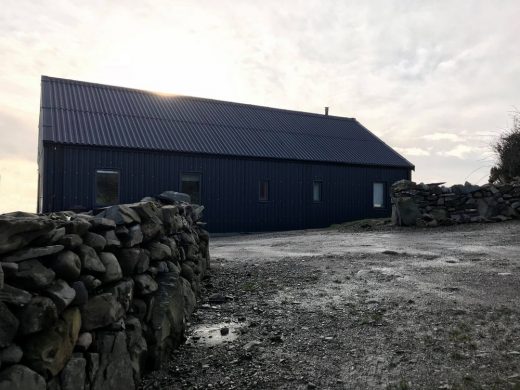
84,341
190,300
167,320
111,239
139,309
14,296
187,272
32,253
66,265
50,238
48,351
89,259
135,236
71,241
1,277
173,197
39,314
148,212
99,223
406,212
100,311
128,259
159,251
122,232
95,241
11,355
79,226
73,375
162,266
19,229
92,366
137,346
8,326
113,271
151,230
20,377
121,215
90,282
145,284
81,293
115,365
61,294
143,263
32,275
123,292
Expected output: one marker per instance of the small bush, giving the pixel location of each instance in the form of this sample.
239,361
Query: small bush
507,150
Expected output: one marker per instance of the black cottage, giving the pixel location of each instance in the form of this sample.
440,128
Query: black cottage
254,168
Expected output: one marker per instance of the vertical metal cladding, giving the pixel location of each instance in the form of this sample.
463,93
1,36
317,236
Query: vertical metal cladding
229,186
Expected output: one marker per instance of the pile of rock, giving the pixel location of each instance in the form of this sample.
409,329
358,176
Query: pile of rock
433,204
88,301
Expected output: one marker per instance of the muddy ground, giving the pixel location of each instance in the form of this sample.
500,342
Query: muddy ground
387,309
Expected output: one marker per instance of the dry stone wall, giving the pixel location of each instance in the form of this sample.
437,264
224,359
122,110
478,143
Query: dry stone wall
433,204
90,301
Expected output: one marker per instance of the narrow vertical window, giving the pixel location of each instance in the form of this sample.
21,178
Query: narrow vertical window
107,187
263,191
379,195
190,184
316,191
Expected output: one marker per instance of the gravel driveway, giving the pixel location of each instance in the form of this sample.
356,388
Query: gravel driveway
389,309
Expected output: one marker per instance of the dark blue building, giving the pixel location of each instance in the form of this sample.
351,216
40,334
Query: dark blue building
254,168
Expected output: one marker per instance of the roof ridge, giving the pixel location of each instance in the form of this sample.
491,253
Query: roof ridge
168,94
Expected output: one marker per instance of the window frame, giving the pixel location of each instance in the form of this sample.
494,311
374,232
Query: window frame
260,182
112,170
320,182
193,173
384,201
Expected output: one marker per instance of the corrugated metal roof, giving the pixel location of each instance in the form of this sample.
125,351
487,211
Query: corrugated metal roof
81,113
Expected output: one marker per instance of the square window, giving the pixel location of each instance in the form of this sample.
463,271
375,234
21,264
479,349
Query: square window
107,187
379,195
263,191
190,184
316,191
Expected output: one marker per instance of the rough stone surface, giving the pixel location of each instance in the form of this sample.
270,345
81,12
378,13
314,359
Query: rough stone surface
100,311
89,259
121,215
11,355
14,296
145,284
32,253
159,251
66,265
113,271
134,237
73,375
123,292
20,377
137,346
61,294
71,241
8,326
128,259
32,275
115,366
111,239
39,314
95,241
47,352
81,293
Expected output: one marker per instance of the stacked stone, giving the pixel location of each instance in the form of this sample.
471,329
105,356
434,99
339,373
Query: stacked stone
433,204
87,301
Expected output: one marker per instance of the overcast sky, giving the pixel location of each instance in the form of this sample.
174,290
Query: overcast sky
436,80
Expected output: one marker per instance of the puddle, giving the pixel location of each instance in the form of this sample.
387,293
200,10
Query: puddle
211,335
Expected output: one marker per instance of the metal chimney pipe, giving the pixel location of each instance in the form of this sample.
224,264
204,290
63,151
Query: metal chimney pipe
326,111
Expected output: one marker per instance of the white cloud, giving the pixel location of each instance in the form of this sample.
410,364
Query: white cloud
442,137
413,151
462,151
